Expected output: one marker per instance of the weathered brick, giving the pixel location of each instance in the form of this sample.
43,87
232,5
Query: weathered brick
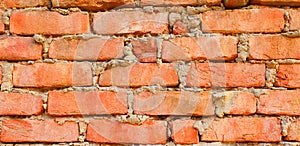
226,75
179,2
86,102
2,27
45,22
183,132
20,104
38,131
52,75
277,2
91,49
268,47
235,3
180,28
250,129
24,4
280,102
94,5
111,131
288,76
130,22
202,48
268,20
140,74
145,50
293,131
294,19
20,48
173,103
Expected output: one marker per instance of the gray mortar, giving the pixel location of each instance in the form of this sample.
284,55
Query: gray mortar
6,16
40,39
292,34
197,10
243,46
287,18
285,122
159,51
224,101
82,131
133,119
130,100
7,76
153,89
201,126
182,71
271,72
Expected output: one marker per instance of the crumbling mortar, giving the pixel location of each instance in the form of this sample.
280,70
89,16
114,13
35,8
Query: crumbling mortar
243,47
7,70
285,123
287,18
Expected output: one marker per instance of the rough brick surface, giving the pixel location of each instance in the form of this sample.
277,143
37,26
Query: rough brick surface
52,75
294,19
183,132
94,5
226,75
293,131
235,3
243,130
280,102
179,2
202,48
241,21
140,75
24,4
2,27
20,104
20,48
86,102
288,76
145,50
45,22
277,2
268,47
91,49
130,22
173,103
38,131
110,131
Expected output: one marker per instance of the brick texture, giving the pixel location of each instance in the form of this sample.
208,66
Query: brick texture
24,4
183,132
294,19
145,50
288,76
293,131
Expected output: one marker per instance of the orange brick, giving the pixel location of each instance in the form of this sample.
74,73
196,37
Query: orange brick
294,19
20,104
2,27
268,20
38,131
174,103
110,131
277,2
179,2
235,3
130,22
226,75
45,22
94,5
280,102
183,132
89,102
20,48
268,47
248,129
24,4
52,75
288,76
293,131
145,50
91,49
180,28
140,74
202,48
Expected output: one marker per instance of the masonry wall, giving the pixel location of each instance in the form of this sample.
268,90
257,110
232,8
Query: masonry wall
206,72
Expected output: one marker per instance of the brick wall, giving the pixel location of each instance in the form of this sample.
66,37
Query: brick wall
207,72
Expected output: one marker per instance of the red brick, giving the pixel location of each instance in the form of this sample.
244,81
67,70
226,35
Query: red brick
94,5
20,48
250,129
45,22
280,102
235,3
240,103
268,47
0,73
293,131
138,74
2,27
20,104
24,4
180,28
130,22
91,49
179,2
277,2
183,132
86,103
111,131
288,76
145,50
52,75
226,75
38,131
268,20
173,103
202,48
294,19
